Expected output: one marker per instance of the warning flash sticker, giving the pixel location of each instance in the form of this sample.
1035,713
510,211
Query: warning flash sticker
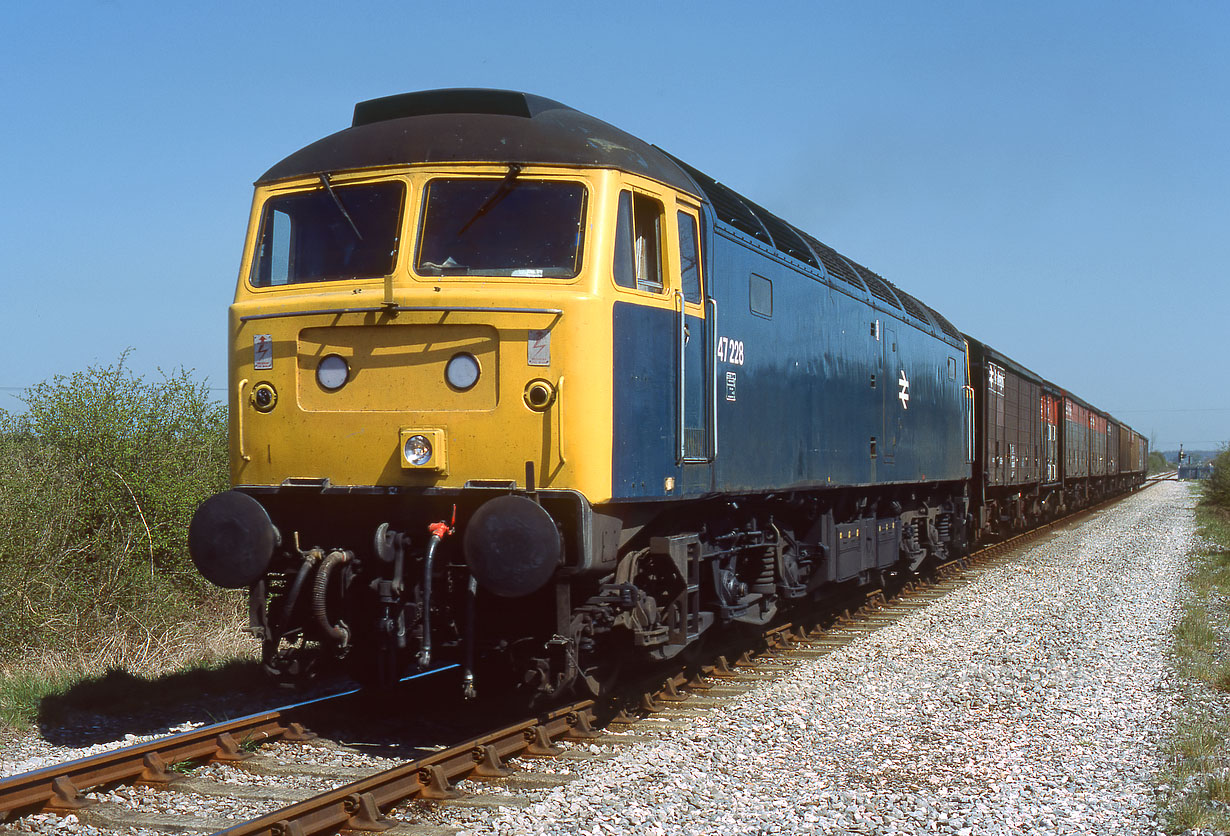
262,352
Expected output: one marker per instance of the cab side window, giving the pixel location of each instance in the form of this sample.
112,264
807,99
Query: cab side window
689,258
638,243
625,273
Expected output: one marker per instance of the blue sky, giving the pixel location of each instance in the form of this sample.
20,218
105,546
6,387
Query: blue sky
1053,177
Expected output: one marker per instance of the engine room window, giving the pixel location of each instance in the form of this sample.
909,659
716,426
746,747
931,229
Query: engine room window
760,295
329,234
638,243
502,227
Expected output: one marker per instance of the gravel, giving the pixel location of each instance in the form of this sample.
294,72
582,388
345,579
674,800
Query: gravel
1032,700
26,753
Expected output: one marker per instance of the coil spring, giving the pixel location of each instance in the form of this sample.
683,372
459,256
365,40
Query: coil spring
909,535
766,577
944,526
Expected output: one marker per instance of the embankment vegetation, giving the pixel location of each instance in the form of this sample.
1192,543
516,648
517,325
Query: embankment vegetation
1217,487
1157,462
1196,795
99,476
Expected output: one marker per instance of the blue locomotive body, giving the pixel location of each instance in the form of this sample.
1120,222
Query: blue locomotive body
815,385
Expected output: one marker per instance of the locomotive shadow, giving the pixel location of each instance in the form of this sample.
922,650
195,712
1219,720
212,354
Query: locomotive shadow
412,719
105,708
409,719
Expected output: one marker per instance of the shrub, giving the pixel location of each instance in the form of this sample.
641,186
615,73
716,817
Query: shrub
1158,463
98,481
1217,489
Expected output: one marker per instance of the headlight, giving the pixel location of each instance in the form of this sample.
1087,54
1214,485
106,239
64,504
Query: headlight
462,371
423,450
264,397
417,450
332,372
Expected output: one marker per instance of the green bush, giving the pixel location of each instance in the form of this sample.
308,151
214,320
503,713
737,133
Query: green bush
1217,489
98,481
1158,463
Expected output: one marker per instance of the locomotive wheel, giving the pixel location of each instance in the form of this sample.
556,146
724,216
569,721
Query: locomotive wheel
291,666
601,679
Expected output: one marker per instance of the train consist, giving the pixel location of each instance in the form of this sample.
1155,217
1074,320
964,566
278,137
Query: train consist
513,389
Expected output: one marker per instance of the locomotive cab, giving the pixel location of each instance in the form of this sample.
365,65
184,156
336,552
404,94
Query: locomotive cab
425,349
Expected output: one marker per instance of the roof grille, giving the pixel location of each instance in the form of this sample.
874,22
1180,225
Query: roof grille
876,284
834,264
729,207
945,326
739,212
915,308
461,100
785,237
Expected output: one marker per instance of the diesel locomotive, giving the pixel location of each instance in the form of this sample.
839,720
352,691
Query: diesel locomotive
514,390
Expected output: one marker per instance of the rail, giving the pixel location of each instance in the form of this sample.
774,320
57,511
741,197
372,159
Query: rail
60,788
361,805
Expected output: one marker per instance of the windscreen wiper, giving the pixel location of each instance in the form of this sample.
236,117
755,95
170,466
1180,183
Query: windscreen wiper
324,181
502,191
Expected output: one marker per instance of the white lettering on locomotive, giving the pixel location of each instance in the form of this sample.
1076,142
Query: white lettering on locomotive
730,351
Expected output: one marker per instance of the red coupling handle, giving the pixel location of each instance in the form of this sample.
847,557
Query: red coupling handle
442,529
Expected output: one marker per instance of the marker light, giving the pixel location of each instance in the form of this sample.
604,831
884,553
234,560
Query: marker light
332,373
417,450
264,397
539,394
462,371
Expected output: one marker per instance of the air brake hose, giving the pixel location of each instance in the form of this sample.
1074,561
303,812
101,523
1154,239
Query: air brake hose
339,633
439,531
310,559
467,677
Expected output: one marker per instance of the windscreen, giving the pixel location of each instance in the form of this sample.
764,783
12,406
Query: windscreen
502,227
329,234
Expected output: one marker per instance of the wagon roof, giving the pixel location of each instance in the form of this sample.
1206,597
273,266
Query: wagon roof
1011,365
465,125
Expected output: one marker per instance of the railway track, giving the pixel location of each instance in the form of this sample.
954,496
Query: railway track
60,788
364,804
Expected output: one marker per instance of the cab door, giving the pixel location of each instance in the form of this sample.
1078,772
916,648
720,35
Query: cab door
695,354
662,369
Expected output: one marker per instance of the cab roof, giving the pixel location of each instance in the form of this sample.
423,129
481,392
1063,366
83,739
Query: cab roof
477,125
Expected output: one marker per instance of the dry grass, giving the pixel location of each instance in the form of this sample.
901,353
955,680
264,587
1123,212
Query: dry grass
1195,815
28,680
1198,775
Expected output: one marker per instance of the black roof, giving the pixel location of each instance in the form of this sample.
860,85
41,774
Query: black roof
465,125
505,126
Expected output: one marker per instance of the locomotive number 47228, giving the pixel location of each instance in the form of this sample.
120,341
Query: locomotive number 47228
730,351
